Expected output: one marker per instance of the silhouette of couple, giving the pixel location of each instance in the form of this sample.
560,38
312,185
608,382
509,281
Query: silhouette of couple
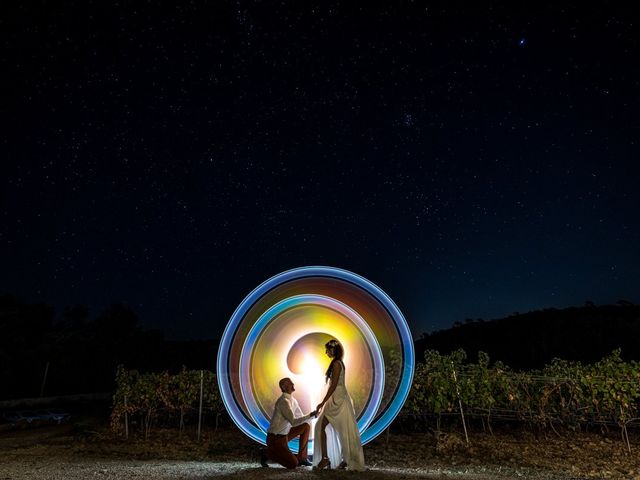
337,439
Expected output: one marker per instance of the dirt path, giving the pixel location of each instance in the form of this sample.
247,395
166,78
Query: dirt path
65,453
47,463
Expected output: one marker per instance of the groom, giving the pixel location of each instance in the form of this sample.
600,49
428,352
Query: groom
287,423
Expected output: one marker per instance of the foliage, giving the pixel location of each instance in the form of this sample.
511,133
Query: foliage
152,396
566,393
562,393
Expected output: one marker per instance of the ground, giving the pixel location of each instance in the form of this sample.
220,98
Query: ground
91,451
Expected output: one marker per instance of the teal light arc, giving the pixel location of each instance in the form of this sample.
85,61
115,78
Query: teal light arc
241,405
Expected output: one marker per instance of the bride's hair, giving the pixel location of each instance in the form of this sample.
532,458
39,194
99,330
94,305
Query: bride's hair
337,351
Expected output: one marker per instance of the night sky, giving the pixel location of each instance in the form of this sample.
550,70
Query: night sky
472,162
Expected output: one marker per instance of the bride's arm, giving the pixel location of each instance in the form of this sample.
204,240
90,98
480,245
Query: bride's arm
333,383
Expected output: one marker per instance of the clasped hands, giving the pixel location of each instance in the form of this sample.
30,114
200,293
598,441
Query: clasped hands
316,412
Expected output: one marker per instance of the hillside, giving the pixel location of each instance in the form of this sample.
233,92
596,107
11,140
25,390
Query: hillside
532,339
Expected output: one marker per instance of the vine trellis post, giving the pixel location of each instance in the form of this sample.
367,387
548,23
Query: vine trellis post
200,407
126,419
464,424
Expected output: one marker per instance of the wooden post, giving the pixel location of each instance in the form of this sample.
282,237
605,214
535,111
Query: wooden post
625,436
464,424
126,419
200,409
44,379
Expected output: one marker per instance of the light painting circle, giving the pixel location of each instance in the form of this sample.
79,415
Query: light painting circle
279,330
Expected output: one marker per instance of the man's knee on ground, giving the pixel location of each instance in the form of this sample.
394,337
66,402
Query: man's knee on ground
291,464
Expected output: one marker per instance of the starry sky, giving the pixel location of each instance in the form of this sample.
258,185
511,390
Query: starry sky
470,161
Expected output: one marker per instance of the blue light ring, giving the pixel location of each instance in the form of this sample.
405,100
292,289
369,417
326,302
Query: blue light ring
402,391
295,301
298,300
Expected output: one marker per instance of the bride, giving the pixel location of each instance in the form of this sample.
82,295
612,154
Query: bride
336,428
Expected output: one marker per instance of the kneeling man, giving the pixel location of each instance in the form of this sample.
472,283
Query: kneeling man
287,423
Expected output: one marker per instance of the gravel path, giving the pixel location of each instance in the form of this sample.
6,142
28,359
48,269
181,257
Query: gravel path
62,462
59,468
64,452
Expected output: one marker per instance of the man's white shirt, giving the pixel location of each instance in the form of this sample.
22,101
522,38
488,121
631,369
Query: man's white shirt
286,414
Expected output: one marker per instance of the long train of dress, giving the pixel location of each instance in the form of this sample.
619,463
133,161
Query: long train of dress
343,436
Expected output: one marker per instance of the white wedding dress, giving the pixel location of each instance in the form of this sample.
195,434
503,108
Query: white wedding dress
343,436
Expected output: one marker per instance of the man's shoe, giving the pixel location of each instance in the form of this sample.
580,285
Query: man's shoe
305,463
263,458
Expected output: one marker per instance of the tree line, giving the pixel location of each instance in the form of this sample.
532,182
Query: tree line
530,340
71,352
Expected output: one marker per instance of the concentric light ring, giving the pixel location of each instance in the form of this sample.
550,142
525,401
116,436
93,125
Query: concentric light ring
257,415
251,317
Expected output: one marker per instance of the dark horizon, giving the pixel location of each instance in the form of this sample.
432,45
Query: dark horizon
81,353
59,316
472,162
